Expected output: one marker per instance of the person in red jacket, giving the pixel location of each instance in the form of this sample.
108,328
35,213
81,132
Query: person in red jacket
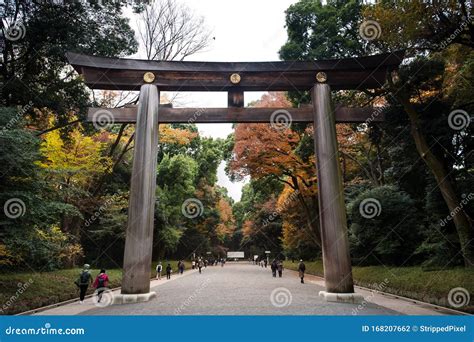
101,282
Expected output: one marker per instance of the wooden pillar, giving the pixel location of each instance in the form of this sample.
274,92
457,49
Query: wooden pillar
141,208
235,99
332,211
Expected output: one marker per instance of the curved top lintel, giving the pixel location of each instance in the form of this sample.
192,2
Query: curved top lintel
127,74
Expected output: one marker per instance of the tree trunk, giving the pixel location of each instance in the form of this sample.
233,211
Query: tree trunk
461,220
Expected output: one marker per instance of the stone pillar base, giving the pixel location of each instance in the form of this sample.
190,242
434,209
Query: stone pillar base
354,298
133,298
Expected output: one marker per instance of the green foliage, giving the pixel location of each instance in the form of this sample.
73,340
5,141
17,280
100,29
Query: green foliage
34,68
43,249
323,31
384,227
411,282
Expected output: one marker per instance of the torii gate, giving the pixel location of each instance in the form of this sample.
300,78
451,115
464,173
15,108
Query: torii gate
150,77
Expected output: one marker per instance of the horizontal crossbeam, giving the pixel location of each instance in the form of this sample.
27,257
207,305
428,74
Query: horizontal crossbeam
233,115
128,74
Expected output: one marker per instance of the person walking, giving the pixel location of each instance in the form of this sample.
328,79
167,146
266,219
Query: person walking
159,269
265,262
168,271
193,264
273,266
100,284
200,266
280,268
83,282
301,270
181,267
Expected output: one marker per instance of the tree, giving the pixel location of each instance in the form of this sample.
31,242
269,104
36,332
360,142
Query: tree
420,82
421,25
71,165
439,26
29,233
169,31
376,233
33,46
262,150
323,31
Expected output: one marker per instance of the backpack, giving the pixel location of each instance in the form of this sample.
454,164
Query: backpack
83,278
159,268
100,282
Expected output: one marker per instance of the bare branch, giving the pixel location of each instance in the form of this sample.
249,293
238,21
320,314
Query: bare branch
168,30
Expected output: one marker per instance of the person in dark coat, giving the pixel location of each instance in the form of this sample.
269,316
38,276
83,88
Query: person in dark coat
273,266
168,271
83,282
280,268
301,270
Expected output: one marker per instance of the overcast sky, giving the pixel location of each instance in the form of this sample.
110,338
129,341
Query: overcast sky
244,31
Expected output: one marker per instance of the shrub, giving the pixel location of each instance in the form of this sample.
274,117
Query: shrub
383,227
